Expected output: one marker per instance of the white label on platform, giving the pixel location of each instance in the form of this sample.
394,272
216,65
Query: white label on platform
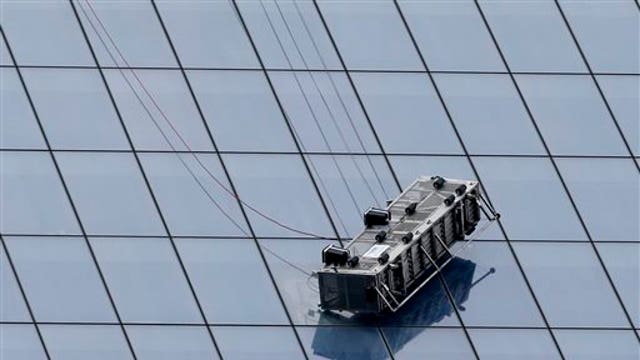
375,251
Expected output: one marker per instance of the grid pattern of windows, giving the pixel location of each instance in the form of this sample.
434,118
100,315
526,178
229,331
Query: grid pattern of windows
138,139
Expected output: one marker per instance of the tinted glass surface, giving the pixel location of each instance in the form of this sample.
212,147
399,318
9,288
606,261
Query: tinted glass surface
62,279
241,99
623,263
110,193
206,34
603,29
402,107
12,307
75,99
598,344
451,35
134,29
20,342
480,104
181,199
33,198
146,280
623,95
171,342
18,124
44,33
532,35
570,284
519,186
585,182
370,35
289,34
169,121
82,341
210,150
565,106
208,262
267,343
507,344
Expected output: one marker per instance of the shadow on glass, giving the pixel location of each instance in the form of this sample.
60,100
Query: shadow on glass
428,307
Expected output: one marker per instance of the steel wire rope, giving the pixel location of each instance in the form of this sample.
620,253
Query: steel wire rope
326,104
148,112
312,166
313,113
299,268
177,133
340,98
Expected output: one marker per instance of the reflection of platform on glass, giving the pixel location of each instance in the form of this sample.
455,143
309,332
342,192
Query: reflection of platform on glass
403,246
429,306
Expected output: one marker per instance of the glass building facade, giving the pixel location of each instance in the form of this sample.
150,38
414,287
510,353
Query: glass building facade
143,145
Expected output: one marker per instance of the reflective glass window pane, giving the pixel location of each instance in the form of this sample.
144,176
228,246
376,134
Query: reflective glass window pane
268,343
623,95
525,188
451,35
44,33
110,194
170,93
278,185
409,168
145,279
99,342
289,32
359,180
171,342
332,342
323,112
409,343
134,28
571,115
480,104
370,35
20,342
12,306
33,199
510,344
406,113
598,344
480,277
5,57
623,263
207,34
233,100
570,284
607,32
208,263
300,298
532,35
18,124
60,279
186,207
588,181
75,109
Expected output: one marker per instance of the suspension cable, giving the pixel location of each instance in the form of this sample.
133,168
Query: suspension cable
313,113
193,175
326,105
342,103
157,125
313,169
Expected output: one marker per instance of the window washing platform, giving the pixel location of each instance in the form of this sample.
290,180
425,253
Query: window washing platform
403,246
